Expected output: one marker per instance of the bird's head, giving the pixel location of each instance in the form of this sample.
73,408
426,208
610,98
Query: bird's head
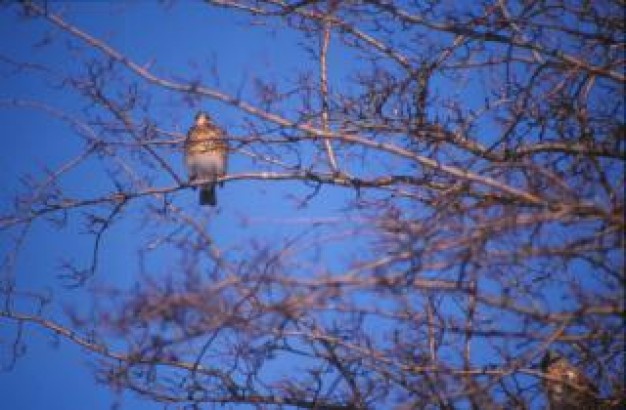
202,118
549,359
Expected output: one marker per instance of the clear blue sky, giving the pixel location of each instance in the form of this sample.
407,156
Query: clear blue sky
182,41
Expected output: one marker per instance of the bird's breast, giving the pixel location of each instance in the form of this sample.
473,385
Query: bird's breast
204,163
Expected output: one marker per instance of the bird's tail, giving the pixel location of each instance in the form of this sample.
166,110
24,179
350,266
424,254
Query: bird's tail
207,195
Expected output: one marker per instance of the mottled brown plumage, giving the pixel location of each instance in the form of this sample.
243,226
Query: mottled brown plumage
567,387
206,152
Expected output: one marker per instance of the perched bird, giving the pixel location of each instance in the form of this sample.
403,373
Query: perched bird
567,387
206,153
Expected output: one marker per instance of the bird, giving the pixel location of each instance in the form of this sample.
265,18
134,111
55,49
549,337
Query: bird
566,386
206,152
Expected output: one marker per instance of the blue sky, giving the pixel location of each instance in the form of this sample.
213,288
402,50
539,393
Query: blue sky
182,41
